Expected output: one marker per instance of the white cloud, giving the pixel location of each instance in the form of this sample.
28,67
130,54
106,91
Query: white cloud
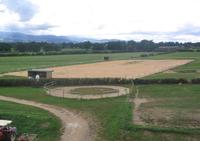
111,18
24,8
7,16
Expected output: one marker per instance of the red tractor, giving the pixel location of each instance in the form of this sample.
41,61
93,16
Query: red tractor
7,133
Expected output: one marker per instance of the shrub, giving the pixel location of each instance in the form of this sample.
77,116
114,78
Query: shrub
92,81
195,81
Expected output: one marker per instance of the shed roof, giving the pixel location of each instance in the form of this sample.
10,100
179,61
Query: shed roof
5,122
40,70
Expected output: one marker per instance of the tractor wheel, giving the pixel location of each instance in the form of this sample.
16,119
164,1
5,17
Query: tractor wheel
1,136
13,137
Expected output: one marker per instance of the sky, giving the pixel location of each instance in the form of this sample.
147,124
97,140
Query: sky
157,20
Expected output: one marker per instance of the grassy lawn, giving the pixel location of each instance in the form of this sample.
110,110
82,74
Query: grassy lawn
9,64
93,91
189,71
32,120
171,114
11,77
115,114
173,106
112,114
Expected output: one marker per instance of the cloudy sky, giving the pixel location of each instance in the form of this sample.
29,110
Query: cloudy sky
158,20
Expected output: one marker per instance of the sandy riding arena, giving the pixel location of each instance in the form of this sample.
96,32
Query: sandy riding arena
65,92
75,128
113,69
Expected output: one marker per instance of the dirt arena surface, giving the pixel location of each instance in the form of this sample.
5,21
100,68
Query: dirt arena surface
65,92
113,69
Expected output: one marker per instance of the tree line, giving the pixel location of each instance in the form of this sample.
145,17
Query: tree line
87,47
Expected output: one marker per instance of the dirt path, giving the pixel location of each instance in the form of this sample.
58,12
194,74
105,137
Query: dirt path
66,92
75,127
136,113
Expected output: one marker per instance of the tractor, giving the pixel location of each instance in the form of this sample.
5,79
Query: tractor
7,133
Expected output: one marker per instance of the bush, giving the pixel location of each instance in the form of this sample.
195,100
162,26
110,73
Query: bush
187,71
195,81
92,81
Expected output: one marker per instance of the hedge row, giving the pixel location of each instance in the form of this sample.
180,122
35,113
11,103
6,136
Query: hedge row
68,52
93,81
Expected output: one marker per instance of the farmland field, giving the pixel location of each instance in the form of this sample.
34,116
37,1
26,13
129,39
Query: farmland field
8,64
189,71
179,107
115,114
167,112
31,120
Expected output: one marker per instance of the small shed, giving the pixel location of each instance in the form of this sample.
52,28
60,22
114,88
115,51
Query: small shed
42,73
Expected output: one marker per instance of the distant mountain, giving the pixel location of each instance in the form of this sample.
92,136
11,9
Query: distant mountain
20,37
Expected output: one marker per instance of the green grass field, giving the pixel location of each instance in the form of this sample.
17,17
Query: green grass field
93,91
31,120
171,114
189,71
111,114
181,103
9,64
115,114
